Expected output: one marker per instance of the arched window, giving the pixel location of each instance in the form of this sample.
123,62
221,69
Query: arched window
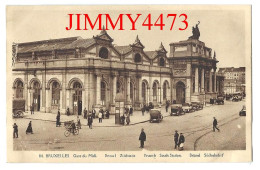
131,92
162,62
78,91
103,92
144,91
138,58
118,87
103,53
19,89
55,93
155,91
165,86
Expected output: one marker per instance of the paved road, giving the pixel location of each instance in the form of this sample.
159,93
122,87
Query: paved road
196,126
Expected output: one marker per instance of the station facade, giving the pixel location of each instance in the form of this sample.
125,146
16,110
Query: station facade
79,73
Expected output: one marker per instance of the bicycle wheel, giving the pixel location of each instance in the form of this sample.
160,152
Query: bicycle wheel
76,131
67,133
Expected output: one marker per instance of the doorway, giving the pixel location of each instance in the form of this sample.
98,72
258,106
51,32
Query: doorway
180,92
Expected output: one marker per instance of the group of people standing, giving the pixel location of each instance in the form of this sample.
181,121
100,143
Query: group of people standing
125,118
179,140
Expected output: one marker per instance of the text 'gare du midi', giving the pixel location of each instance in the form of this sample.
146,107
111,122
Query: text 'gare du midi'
79,73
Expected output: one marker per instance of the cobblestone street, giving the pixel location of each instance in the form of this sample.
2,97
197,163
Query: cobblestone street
106,136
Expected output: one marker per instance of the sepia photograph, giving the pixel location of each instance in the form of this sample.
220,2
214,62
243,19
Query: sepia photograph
145,82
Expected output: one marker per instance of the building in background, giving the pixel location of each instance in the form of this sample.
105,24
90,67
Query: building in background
234,79
79,73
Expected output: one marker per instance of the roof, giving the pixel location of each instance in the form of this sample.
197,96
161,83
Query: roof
231,69
123,49
151,54
55,44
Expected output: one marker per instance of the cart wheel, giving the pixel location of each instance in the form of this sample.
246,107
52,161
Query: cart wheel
67,133
19,113
76,132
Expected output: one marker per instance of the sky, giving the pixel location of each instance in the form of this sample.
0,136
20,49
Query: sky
222,29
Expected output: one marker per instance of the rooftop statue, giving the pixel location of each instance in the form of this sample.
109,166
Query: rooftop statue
195,32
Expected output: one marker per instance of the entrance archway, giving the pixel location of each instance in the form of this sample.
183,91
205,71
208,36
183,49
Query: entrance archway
180,92
36,95
144,91
77,98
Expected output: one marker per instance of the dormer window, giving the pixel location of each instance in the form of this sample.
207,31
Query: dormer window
138,58
162,62
103,53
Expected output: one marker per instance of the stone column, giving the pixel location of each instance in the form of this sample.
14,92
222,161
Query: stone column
63,94
210,81
196,80
26,91
43,104
98,89
140,89
187,91
202,80
215,81
114,87
128,89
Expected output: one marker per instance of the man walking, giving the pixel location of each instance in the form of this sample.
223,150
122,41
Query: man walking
131,111
176,139
215,123
90,120
15,133
100,116
93,113
142,138
32,109
181,141
143,110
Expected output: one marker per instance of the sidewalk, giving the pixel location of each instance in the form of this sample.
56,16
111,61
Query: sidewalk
135,119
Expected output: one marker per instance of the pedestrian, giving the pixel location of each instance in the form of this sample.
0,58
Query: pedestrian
181,141
107,113
103,114
58,119
143,110
73,127
123,119
29,128
142,138
93,113
100,116
167,106
90,121
215,123
15,133
32,109
78,122
85,112
176,139
128,119
131,111
68,112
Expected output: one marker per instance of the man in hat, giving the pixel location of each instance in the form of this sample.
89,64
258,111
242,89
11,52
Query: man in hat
15,133
176,139
142,138
215,123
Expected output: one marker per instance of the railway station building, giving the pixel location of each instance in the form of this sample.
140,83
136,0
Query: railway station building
79,73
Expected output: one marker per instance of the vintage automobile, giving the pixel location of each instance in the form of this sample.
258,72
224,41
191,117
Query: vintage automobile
243,111
196,106
236,98
220,100
187,108
155,116
18,108
176,110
